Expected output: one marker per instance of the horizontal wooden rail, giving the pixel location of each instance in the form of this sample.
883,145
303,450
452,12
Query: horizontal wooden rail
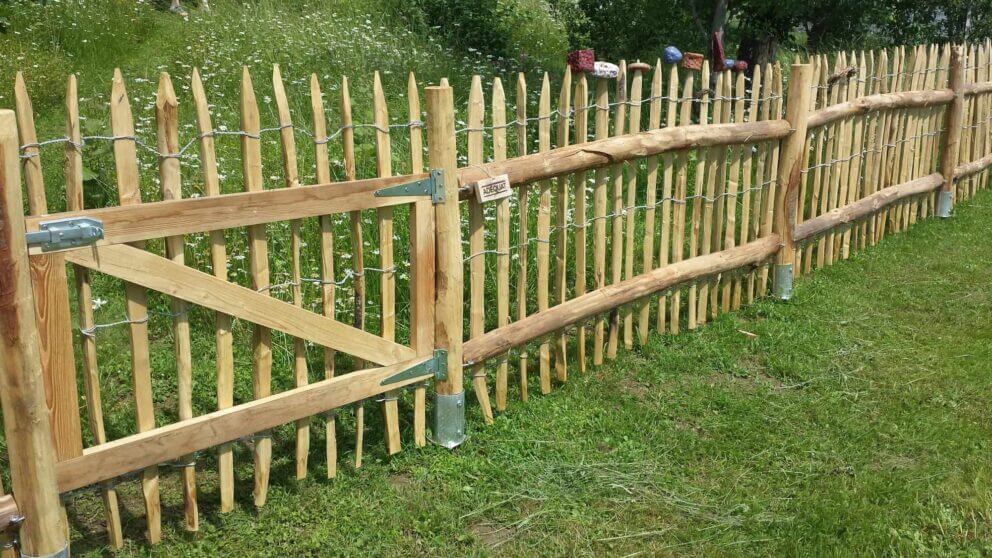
605,152
882,101
145,221
133,453
866,206
977,88
968,169
501,340
160,274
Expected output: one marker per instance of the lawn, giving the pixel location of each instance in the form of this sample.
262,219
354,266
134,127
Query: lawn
851,420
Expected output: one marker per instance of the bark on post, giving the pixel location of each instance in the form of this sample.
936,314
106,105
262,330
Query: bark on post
952,129
789,175
22,393
449,405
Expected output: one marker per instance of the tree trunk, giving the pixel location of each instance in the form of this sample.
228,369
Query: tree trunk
757,50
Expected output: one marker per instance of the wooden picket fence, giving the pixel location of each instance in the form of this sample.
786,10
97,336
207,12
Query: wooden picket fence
638,210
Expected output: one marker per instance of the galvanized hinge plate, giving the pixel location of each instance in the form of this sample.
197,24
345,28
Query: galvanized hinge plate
65,233
438,366
432,186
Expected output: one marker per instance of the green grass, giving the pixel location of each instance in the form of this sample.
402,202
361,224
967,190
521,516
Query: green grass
850,421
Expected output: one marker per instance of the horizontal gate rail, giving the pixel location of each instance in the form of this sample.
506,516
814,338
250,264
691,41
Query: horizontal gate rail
119,457
132,223
157,273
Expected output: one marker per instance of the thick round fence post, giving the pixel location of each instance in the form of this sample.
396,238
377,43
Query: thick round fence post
952,134
790,175
449,403
22,392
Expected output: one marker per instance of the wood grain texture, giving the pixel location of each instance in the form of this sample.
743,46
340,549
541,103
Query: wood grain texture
223,336
560,286
162,275
129,193
602,300
169,442
134,223
543,242
170,179
58,363
258,264
84,297
477,243
387,278
27,429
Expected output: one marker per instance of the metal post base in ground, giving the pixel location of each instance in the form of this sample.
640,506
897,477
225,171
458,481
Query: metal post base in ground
782,286
449,420
944,203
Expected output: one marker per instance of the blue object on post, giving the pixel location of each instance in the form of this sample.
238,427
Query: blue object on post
672,55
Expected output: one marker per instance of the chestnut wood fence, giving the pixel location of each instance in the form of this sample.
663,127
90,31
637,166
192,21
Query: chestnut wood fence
656,201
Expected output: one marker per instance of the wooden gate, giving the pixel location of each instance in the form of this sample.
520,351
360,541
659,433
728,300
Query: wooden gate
40,249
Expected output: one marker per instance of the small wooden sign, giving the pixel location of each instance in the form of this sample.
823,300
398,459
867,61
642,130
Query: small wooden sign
493,188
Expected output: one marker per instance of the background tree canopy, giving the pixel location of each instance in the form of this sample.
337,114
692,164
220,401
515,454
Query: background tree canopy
754,30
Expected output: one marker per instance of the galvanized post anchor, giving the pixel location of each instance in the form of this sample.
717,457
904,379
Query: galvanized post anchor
944,203
449,420
783,281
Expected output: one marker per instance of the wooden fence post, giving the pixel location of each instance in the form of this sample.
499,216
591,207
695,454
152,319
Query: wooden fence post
789,175
22,393
952,131
449,404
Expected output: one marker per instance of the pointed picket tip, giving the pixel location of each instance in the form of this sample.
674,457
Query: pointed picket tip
166,97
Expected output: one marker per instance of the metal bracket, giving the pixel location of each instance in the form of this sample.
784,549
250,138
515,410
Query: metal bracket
449,420
432,186
783,281
66,233
944,203
438,366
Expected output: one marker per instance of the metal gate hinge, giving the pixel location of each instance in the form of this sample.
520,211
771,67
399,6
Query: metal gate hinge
65,233
436,366
432,186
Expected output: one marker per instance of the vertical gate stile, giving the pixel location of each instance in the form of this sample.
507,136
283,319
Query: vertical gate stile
449,406
51,293
27,428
